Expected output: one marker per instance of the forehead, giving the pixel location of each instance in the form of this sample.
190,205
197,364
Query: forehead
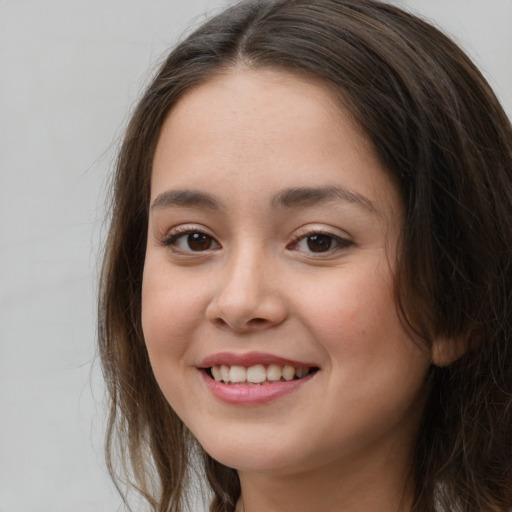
260,103
261,86
268,129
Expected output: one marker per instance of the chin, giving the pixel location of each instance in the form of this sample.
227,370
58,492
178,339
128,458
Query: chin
251,455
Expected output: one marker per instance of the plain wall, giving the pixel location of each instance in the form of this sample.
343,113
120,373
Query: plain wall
70,71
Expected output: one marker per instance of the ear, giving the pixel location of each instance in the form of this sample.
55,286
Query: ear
446,351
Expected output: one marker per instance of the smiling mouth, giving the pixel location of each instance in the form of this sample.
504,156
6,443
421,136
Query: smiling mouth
258,374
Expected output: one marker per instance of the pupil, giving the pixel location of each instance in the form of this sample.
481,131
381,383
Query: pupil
319,243
199,242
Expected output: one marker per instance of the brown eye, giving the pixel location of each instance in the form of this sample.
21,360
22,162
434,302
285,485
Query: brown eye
191,241
319,243
322,244
199,241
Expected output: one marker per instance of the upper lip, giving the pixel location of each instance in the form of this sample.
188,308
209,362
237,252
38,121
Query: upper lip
250,359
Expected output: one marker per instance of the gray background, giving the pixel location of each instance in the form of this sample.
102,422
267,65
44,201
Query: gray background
70,71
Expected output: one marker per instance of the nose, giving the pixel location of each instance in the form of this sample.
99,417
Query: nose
247,297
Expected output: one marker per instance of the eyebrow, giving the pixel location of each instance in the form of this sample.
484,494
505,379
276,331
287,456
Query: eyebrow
290,198
301,197
186,198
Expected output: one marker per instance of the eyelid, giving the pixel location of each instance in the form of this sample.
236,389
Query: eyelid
343,239
172,235
321,229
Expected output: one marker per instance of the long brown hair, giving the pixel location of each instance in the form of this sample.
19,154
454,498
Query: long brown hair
440,132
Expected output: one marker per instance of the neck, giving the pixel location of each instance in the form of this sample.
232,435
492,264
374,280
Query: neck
384,485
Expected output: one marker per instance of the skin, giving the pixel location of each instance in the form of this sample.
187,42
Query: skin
343,440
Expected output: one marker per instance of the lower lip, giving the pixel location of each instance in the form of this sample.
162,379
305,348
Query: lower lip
251,394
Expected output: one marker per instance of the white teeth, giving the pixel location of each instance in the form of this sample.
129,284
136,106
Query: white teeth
237,374
257,374
224,373
301,372
216,373
288,372
274,372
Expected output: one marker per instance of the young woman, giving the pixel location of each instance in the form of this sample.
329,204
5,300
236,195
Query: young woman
307,283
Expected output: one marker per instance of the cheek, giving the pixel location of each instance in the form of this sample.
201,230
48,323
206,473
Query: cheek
375,370
170,313
354,319
170,310
354,304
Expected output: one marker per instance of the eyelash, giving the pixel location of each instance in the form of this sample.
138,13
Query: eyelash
339,242
172,240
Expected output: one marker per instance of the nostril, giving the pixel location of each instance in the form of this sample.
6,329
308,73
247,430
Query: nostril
250,325
256,321
221,322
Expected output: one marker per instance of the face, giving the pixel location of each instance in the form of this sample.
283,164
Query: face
267,306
